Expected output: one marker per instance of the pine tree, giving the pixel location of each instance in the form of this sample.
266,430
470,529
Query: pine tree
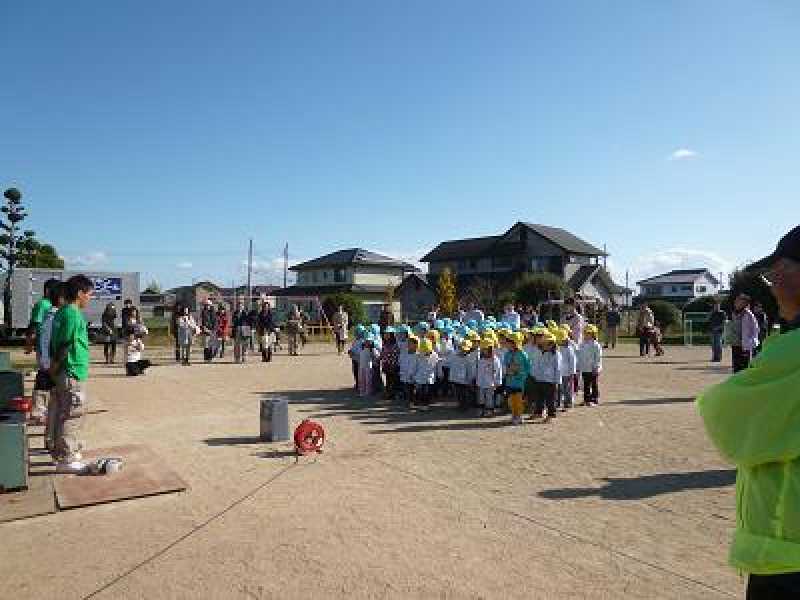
446,291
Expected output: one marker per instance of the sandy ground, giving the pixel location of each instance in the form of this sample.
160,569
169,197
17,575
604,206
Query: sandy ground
627,500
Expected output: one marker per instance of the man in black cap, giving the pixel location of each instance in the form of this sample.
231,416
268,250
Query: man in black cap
781,270
753,418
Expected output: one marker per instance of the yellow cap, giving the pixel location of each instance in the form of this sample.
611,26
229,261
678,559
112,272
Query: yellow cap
517,339
466,346
433,335
549,336
425,346
561,336
592,329
566,327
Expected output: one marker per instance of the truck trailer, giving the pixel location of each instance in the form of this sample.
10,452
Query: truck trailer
109,286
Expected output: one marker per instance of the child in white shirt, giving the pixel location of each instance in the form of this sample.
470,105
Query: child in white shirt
488,377
425,372
590,363
569,361
459,373
134,349
407,362
547,373
366,367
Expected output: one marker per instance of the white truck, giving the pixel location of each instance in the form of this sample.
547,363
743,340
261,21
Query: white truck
109,286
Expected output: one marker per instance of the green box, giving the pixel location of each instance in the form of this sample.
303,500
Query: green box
12,385
5,361
13,451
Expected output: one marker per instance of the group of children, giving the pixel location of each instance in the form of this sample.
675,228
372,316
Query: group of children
490,364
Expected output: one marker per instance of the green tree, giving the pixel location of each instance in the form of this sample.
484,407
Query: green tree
354,308
153,287
750,283
446,292
34,254
535,288
666,314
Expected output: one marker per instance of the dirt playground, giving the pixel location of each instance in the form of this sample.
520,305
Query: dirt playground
626,500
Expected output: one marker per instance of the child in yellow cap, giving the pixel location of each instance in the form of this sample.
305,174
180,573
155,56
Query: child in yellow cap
407,361
547,373
425,372
516,368
590,363
569,361
461,374
488,377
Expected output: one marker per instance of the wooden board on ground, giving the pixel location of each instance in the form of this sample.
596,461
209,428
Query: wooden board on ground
143,474
38,499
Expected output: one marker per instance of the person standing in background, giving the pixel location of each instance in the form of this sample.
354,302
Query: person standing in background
177,312
763,325
644,325
32,341
340,328
574,319
613,319
109,323
265,328
744,333
223,329
242,333
716,327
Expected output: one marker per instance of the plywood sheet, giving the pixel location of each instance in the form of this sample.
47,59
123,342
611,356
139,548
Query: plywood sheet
38,499
144,473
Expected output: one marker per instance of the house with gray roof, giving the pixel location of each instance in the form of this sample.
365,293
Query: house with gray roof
679,286
365,274
526,248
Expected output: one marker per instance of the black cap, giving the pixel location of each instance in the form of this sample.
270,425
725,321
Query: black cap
788,247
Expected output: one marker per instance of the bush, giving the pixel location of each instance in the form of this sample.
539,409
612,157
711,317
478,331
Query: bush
745,282
354,308
666,314
535,288
702,304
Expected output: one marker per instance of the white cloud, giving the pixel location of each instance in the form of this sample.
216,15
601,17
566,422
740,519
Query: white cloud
184,265
270,270
89,260
677,258
682,154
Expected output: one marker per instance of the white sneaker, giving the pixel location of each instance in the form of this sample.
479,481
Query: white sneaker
74,467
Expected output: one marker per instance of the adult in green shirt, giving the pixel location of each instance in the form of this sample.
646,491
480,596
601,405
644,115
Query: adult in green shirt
32,341
70,370
38,312
754,420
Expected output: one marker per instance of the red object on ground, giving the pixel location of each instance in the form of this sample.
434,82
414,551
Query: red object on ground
21,404
309,437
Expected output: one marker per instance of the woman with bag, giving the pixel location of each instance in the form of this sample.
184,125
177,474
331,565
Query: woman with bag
264,329
109,333
241,332
187,329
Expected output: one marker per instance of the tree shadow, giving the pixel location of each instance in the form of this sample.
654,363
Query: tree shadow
459,426
275,454
373,411
234,441
656,401
647,486
708,368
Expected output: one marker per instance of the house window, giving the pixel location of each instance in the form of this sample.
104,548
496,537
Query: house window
686,288
701,289
314,276
339,276
325,276
539,263
502,262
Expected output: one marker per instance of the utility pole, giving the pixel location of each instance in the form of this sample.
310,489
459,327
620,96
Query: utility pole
285,263
605,256
250,274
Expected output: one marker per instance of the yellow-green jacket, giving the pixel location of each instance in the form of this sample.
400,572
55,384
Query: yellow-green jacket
754,420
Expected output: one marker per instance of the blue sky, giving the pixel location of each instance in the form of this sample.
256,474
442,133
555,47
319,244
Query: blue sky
159,137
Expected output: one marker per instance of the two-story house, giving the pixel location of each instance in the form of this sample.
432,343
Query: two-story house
367,275
526,248
679,286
